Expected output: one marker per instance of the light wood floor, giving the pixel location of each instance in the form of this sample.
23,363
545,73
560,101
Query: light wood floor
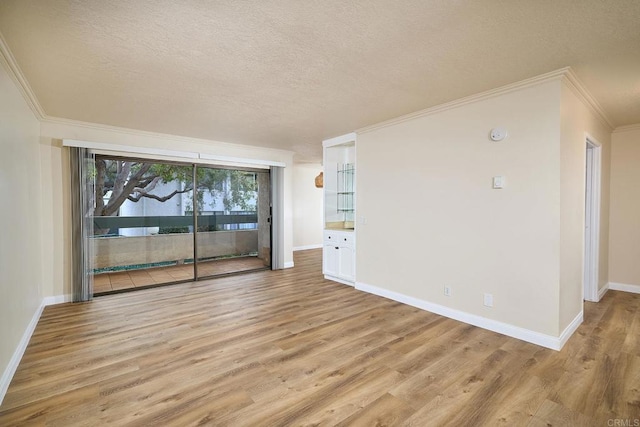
121,280
289,348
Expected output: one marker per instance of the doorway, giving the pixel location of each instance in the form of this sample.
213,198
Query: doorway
592,220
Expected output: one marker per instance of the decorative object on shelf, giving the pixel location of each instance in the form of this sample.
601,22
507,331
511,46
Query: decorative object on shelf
320,180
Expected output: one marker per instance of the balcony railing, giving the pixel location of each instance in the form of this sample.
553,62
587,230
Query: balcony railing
211,222
112,250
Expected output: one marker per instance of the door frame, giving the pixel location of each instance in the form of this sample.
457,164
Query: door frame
592,190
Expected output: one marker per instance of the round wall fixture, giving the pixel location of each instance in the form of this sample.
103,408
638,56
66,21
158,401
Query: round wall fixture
498,134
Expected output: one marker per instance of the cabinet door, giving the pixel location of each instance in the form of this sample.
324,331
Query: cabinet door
346,263
331,260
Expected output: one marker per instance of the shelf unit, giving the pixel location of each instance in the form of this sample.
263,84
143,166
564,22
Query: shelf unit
346,191
339,209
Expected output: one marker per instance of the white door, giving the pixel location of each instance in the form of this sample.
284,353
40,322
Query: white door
331,260
347,263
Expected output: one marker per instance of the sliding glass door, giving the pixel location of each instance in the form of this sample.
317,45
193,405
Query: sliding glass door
158,222
230,238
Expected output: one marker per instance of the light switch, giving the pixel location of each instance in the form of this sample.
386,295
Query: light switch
499,182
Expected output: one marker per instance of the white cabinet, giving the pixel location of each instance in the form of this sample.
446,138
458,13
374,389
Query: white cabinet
339,248
330,261
338,256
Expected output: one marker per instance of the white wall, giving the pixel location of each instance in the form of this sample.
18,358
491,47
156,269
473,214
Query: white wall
53,131
21,215
577,122
624,243
307,207
433,219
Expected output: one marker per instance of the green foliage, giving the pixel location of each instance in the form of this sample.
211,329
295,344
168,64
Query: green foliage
187,229
237,189
173,230
168,173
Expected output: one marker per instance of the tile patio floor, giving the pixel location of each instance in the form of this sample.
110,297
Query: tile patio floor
116,281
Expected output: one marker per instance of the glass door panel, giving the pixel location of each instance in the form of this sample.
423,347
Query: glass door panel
143,224
233,233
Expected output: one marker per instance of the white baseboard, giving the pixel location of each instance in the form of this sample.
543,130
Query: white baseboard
307,247
544,340
603,291
569,330
625,287
11,368
288,264
339,280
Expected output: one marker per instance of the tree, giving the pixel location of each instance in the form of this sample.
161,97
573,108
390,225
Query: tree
134,181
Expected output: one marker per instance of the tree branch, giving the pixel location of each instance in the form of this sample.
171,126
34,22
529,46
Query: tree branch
118,199
123,171
101,168
147,185
158,198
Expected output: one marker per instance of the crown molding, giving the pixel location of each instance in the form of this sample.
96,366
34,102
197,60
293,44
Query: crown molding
338,140
627,128
542,78
156,135
18,77
573,82
566,74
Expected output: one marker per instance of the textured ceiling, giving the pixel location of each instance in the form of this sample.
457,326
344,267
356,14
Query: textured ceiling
290,73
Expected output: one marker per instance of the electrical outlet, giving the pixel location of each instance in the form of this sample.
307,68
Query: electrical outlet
447,291
488,300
